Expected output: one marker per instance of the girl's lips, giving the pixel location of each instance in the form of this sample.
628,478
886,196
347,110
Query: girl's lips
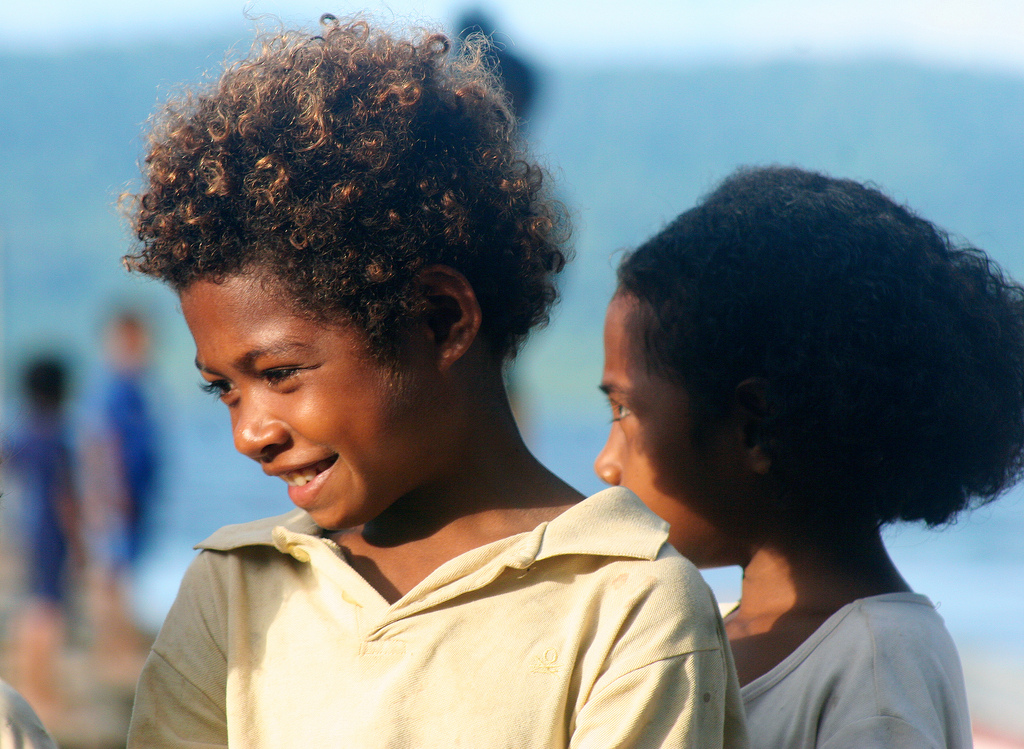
303,488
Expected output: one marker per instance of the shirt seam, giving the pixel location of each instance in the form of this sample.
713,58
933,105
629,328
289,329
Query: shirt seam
675,656
874,662
213,703
868,718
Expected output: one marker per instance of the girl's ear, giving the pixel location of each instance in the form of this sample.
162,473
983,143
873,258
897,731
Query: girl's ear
451,312
752,409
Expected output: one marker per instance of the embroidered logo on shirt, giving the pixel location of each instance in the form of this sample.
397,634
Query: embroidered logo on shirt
547,663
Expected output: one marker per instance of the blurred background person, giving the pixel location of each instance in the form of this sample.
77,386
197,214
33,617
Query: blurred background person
521,81
120,467
519,77
40,454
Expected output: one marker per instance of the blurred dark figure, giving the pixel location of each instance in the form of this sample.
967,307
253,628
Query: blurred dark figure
520,81
121,462
518,77
40,454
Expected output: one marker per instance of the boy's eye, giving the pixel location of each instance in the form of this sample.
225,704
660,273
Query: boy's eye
275,376
216,388
619,411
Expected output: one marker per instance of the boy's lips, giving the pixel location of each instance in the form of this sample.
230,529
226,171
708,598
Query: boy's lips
305,483
302,476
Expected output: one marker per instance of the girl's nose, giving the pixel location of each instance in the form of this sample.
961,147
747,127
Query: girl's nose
608,465
257,434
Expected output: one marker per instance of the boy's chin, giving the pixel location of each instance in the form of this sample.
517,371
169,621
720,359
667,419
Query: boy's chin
335,520
331,522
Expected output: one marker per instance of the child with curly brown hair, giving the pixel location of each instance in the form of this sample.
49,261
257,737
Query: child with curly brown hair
793,364
359,245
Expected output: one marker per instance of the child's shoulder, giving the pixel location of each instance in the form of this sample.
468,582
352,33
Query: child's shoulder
613,522
891,619
902,626
629,551
868,636
896,643
250,559
880,665
616,524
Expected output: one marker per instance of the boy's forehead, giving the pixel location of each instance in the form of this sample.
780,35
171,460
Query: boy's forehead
236,307
244,318
238,297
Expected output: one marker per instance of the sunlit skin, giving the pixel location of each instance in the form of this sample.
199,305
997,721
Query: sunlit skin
411,463
714,491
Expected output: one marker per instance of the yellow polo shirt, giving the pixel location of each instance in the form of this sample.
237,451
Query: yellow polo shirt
590,631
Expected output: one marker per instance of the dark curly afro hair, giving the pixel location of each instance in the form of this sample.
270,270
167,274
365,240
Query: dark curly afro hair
892,358
341,165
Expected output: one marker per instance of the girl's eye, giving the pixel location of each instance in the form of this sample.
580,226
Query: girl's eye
619,411
216,388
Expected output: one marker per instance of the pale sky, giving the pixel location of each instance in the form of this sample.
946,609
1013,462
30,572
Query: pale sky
961,33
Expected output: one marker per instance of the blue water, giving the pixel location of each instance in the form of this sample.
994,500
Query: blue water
973,571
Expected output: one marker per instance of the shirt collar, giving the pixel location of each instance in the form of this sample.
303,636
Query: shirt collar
259,532
613,522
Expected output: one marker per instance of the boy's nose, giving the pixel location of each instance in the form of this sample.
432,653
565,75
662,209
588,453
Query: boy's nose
258,435
607,465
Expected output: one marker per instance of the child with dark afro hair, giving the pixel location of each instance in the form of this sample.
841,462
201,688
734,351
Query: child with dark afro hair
360,245
793,364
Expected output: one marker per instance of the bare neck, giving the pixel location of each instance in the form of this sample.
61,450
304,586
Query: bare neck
494,488
790,590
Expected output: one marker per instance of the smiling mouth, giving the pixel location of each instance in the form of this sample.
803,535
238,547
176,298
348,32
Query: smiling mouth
303,476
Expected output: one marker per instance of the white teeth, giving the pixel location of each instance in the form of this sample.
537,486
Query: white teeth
299,478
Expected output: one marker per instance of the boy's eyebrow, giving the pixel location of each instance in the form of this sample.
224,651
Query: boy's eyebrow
246,360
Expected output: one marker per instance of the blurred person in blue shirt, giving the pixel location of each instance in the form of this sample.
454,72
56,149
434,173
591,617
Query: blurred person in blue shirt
121,464
40,455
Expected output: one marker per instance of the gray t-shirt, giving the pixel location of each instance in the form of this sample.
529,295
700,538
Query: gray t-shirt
880,672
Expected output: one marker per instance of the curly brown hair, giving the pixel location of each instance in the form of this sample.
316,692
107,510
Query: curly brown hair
340,165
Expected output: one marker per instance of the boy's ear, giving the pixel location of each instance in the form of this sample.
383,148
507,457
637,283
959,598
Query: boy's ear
752,408
451,312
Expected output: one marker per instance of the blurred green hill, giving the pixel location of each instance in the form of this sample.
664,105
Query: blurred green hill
630,148
637,147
